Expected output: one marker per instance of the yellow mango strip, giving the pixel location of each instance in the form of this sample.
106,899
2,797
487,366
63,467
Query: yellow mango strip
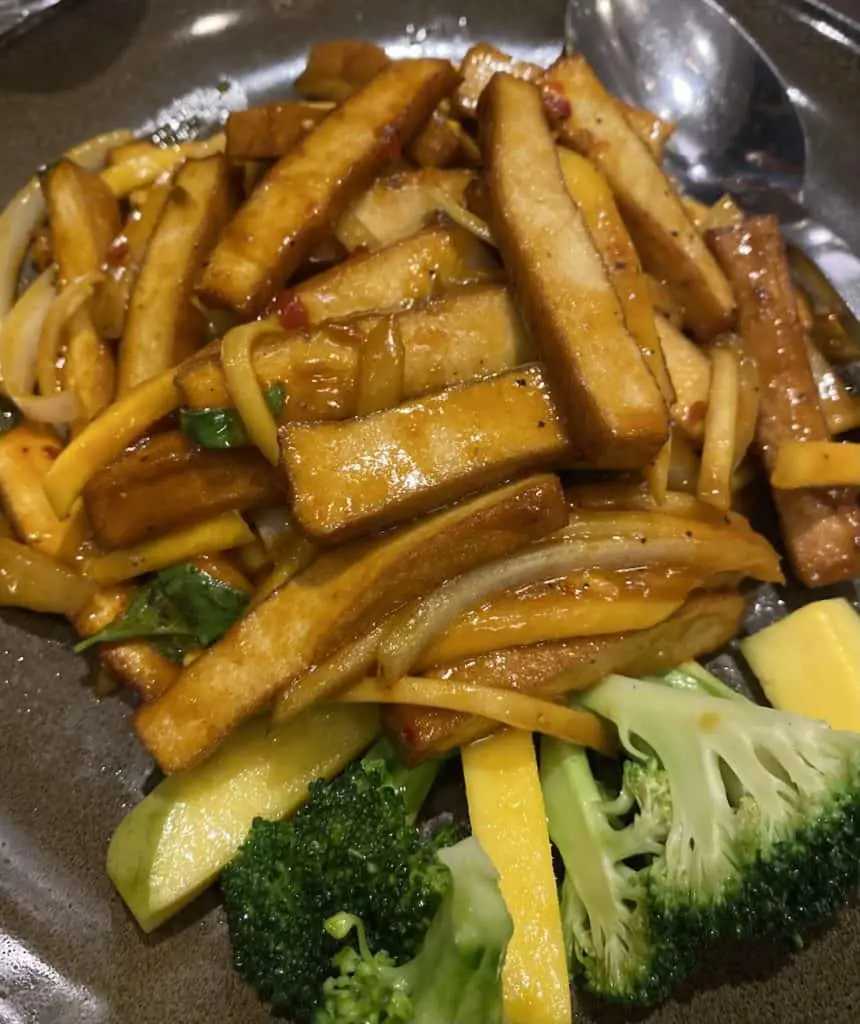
217,534
173,844
801,464
105,438
508,818
809,663
512,619
518,710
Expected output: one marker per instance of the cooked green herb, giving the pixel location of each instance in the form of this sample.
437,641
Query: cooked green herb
223,427
177,610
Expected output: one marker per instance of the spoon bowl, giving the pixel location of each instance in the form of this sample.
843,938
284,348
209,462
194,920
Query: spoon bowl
737,132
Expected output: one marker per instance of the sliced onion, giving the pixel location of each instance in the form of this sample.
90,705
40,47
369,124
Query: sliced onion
465,218
508,707
297,557
26,211
30,579
244,388
20,332
72,298
348,664
409,634
147,165
275,527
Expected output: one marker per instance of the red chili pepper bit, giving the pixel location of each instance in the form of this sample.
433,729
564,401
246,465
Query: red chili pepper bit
392,149
291,310
117,251
556,103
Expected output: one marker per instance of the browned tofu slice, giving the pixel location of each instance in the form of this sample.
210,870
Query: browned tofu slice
359,475
340,597
397,206
84,220
457,337
668,242
289,212
616,416
821,528
424,264
168,483
337,68
270,131
162,327
481,62
702,625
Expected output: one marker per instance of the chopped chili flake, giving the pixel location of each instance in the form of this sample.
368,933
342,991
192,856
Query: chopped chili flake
556,103
290,310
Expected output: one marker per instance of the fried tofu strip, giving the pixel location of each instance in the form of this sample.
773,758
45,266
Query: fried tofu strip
483,61
457,337
134,662
423,265
337,68
703,624
397,206
110,304
360,475
615,413
168,483
163,327
668,242
270,131
289,212
820,528
84,218
341,596
443,142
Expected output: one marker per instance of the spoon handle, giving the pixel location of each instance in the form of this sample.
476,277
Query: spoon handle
832,257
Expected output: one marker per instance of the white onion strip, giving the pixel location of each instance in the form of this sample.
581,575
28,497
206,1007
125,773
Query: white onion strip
409,634
26,211
75,294
465,218
20,333
244,388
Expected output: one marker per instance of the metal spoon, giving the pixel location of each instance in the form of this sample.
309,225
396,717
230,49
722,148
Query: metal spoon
18,15
737,129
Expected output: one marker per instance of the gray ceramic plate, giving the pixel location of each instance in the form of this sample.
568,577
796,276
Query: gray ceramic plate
69,767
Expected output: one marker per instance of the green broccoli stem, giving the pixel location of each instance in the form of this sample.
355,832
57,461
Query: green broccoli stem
413,784
692,676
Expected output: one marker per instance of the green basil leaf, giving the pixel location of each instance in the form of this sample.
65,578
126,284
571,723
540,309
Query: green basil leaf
219,427
176,610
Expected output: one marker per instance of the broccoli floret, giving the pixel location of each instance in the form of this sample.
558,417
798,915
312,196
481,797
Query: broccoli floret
612,948
733,821
354,846
456,976
762,809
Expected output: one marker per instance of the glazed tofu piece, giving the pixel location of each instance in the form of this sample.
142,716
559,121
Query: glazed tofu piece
820,528
289,212
356,476
615,413
590,121
343,595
